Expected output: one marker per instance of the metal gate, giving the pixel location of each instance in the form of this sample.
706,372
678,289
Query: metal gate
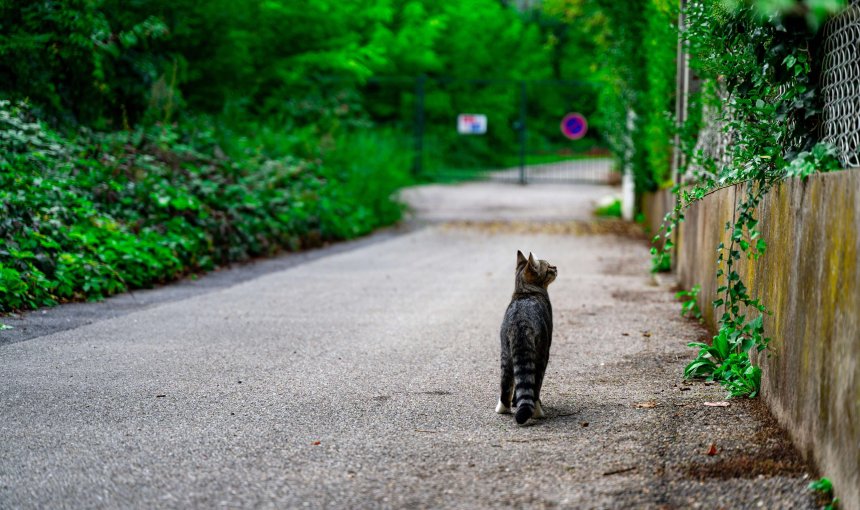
514,131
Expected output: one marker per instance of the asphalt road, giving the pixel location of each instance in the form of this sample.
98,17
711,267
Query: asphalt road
367,378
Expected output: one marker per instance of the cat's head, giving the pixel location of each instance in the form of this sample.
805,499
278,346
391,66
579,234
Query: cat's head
534,272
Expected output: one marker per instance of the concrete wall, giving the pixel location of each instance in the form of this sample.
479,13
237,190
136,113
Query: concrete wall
655,206
810,279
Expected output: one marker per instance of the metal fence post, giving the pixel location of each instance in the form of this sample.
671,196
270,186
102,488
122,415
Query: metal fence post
522,126
418,161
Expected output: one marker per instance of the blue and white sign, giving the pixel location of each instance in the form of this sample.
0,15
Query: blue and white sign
471,124
574,126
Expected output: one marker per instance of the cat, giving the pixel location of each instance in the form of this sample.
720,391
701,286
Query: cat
526,336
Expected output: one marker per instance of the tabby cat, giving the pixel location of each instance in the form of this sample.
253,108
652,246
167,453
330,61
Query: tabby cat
526,336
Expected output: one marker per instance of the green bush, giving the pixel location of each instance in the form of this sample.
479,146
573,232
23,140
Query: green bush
101,213
608,207
368,167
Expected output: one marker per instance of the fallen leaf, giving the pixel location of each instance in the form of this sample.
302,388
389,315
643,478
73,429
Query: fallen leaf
617,471
315,443
712,450
625,334
650,404
717,404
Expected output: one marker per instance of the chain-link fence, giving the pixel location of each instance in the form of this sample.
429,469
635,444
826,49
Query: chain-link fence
840,84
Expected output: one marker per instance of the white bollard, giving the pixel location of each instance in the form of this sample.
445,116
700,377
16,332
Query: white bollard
628,195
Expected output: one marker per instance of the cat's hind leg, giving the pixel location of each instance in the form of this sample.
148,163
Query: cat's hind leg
541,370
538,411
507,386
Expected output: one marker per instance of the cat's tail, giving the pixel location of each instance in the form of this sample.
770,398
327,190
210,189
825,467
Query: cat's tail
523,357
524,412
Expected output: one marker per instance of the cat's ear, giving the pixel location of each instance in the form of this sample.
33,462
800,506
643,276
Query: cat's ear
532,264
521,259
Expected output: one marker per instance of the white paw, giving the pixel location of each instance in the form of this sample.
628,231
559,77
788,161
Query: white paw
538,411
502,408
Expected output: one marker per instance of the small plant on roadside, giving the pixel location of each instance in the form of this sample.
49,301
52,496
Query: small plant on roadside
661,261
824,488
689,305
738,375
608,207
727,359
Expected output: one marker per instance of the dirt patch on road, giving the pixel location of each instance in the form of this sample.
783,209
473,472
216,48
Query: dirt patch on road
769,452
744,466
634,296
574,227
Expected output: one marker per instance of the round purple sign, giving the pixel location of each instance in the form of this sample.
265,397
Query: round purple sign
574,126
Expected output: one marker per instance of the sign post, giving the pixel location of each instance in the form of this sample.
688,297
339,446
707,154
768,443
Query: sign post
524,98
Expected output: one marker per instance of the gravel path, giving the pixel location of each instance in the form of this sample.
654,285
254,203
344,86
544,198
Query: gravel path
367,377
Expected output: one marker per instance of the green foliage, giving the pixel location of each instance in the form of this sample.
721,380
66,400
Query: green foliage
822,158
102,62
660,47
77,61
370,167
689,305
101,213
316,66
824,487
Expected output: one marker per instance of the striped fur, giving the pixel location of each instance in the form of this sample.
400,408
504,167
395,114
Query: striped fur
526,335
